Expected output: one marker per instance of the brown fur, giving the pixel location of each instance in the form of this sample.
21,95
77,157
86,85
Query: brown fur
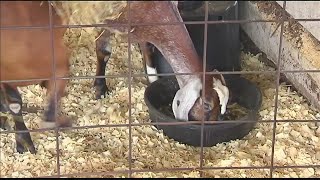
174,43
27,53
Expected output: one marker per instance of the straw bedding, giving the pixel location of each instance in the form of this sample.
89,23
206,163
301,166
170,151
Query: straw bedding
85,13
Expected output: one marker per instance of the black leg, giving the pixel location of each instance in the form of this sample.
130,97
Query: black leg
14,105
3,109
4,123
23,139
103,51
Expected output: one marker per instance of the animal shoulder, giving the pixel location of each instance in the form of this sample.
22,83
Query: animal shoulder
24,13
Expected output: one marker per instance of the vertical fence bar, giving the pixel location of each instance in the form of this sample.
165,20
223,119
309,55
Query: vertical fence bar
204,83
282,20
130,171
129,88
0,117
55,89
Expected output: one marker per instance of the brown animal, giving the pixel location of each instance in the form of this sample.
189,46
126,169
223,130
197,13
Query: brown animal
174,42
27,54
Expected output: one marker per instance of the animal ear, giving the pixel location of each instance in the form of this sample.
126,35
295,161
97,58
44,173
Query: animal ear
223,94
223,81
200,99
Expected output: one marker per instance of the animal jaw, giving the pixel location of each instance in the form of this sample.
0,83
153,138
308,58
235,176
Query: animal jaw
185,98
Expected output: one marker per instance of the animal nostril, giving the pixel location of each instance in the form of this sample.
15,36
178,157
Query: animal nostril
220,117
178,102
206,106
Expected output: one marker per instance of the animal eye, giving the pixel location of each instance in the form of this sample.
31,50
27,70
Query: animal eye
178,102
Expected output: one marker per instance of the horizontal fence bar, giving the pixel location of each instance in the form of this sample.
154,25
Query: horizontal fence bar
61,129
205,168
160,74
103,25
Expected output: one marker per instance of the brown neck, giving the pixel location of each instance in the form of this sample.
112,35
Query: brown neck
180,53
173,41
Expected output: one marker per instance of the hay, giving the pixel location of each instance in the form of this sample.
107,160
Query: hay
88,13
85,13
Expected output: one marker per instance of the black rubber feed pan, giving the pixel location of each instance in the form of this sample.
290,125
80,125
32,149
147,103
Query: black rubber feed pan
161,93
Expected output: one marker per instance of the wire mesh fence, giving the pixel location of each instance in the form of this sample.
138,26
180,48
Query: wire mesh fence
130,123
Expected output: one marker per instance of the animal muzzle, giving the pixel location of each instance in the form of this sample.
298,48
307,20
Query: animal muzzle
220,117
204,110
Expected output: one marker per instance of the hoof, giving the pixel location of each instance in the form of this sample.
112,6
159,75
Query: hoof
64,121
22,149
101,91
4,123
45,124
24,143
61,122
101,88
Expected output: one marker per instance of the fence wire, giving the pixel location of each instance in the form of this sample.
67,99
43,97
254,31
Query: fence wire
129,76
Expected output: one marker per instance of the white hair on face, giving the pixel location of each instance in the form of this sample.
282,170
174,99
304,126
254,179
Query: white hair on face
186,96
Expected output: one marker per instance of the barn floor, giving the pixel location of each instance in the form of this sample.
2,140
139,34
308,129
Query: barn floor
106,149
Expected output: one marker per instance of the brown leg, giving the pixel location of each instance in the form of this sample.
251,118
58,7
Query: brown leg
51,113
103,51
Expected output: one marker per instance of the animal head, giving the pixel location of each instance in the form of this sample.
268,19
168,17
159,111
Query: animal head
175,44
188,103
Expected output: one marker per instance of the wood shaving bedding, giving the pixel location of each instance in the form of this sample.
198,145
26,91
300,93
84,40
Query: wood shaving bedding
106,149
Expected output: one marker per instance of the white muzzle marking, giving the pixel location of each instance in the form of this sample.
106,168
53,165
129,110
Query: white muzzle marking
186,96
